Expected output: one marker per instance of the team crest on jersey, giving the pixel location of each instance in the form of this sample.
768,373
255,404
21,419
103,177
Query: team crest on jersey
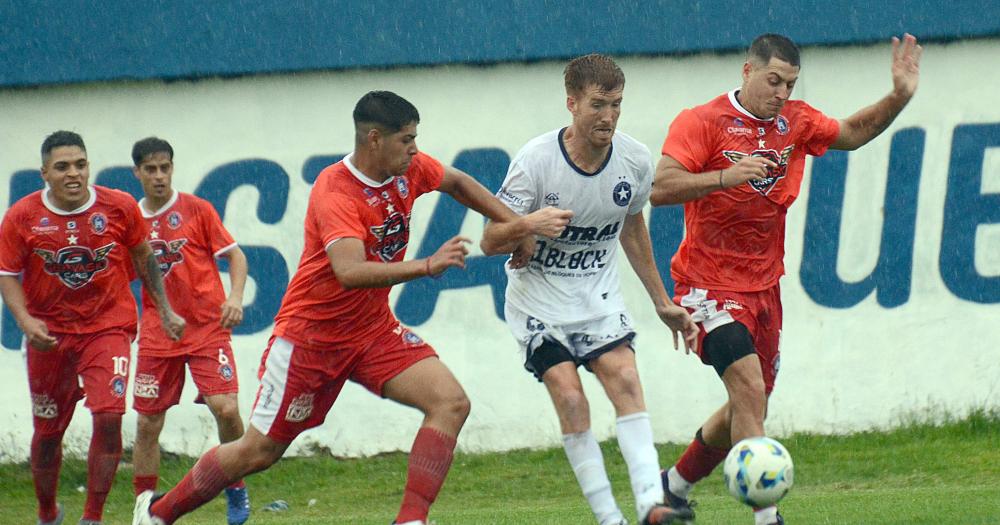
146,386
118,386
782,125
391,236
402,187
765,185
552,199
75,266
411,338
300,408
174,220
44,407
622,194
226,372
168,253
98,223
70,226
534,325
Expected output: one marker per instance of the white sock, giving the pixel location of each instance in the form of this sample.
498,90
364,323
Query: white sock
585,457
766,516
635,438
679,486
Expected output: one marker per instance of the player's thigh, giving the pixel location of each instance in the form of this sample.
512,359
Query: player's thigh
393,366
104,368
213,370
54,385
297,388
426,385
159,381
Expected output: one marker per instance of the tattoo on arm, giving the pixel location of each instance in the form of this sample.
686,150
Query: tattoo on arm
152,279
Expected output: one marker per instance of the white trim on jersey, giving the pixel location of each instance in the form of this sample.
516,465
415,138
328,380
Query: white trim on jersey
58,211
365,179
170,202
224,249
739,107
272,385
12,274
705,310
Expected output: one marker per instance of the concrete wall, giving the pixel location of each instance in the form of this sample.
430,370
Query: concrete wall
892,285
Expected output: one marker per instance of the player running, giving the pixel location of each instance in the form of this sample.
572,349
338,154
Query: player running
736,163
187,237
602,179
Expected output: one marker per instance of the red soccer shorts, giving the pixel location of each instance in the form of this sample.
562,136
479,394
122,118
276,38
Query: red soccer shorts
94,366
298,385
759,312
160,380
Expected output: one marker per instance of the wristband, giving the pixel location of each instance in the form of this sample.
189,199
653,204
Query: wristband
427,266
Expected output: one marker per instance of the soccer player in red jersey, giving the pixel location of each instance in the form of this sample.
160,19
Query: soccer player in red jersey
335,323
72,246
736,163
187,237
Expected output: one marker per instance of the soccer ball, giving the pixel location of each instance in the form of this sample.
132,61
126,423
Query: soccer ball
758,471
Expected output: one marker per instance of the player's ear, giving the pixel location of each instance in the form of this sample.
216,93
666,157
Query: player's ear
747,68
374,137
571,103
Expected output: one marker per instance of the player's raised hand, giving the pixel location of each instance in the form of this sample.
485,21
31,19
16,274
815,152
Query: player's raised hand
905,65
37,334
232,312
548,221
679,321
451,253
747,169
173,324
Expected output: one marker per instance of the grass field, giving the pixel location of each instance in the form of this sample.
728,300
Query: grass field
947,473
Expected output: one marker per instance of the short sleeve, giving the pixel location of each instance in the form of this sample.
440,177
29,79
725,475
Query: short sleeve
216,235
425,173
137,229
518,189
821,131
335,216
688,142
645,180
13,248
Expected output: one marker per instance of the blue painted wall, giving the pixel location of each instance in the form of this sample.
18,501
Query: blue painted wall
50,42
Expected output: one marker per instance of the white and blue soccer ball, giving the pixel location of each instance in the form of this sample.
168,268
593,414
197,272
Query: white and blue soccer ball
758,471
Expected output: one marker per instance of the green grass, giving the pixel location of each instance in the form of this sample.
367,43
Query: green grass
920,473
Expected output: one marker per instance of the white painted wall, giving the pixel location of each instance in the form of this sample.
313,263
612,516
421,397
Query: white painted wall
842,370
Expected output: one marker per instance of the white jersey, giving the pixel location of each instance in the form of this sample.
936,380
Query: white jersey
575,278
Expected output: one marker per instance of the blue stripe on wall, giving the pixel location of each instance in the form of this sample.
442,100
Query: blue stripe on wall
80,40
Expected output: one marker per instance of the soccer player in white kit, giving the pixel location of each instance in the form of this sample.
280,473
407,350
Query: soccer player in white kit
565,307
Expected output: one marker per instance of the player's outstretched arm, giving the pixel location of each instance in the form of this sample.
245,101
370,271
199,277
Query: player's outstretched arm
506,237
866,124
674,184
347,258
35,331
639,250
232,308
148,270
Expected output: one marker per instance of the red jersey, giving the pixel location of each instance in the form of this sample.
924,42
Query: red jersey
186,235
75,265
735,238
319,313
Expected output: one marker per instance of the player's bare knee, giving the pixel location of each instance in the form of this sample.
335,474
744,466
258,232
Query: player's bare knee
149,426
456,407
570,400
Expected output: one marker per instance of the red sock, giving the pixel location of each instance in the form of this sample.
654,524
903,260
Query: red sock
102,462
699,459
430,459
143,483
46,460
204,481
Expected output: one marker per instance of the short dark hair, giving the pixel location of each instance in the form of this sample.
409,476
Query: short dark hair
593,70
386,110
148,146
59,139
772,45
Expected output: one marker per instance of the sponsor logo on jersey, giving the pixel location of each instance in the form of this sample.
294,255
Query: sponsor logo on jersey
168,253
401,187
590,233
552,257
226,372
622,194
174,220
782,125
739,128
146,386
552,199
370,198
412,338
730,304
391,236
509,197
71,226
118,386
98,223
300,408
43,406
45,228
765,185
75,266
534,325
